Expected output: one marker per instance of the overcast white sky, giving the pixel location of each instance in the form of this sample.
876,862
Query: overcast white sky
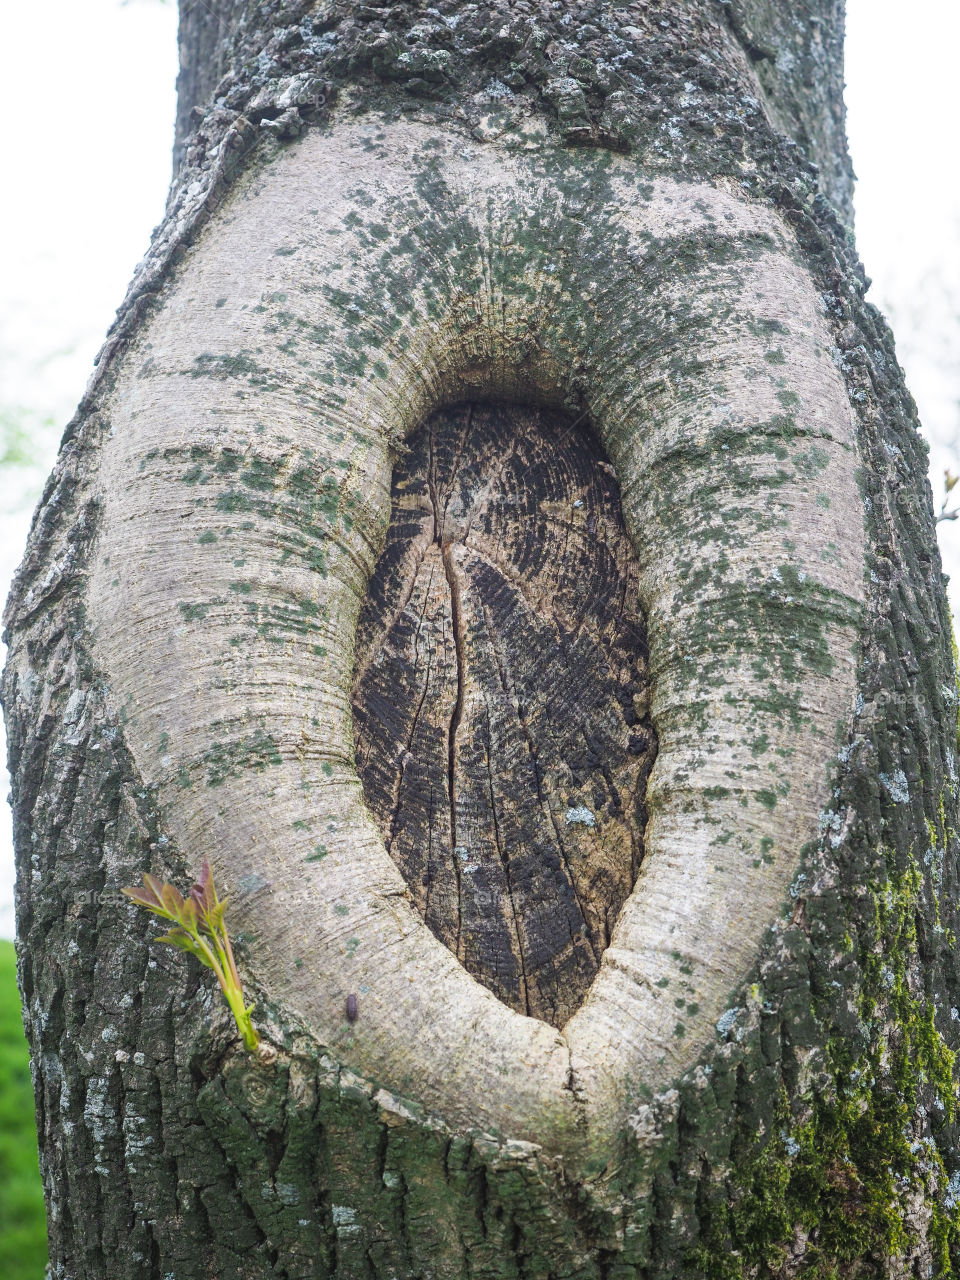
87,100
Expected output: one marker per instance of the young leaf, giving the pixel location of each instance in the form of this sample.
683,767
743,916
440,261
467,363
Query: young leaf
181,940
203,892
150,896
172,900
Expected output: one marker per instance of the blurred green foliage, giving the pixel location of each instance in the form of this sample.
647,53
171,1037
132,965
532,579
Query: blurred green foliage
28,443
23,1231
19,446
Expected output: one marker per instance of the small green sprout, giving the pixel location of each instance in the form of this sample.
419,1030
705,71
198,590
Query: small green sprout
200,929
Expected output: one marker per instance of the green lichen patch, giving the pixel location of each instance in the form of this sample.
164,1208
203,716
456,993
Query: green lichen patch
195,611
241,365
230,759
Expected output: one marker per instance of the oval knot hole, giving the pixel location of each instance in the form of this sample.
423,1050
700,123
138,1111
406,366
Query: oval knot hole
500,699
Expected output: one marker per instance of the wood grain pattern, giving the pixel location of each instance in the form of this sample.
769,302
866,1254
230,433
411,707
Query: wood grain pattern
500,699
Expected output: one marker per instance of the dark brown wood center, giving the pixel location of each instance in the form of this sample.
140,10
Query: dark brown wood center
500,699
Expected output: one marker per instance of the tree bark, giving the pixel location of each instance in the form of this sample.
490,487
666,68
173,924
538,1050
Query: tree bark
496,535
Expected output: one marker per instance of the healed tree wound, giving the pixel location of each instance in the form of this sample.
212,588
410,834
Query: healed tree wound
245,495
501,699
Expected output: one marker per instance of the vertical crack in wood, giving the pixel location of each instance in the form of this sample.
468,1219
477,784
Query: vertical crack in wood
401,771
456,622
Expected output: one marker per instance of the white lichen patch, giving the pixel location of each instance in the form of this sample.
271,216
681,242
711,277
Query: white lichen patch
580,815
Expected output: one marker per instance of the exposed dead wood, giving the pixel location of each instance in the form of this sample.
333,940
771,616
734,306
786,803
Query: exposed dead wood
501,699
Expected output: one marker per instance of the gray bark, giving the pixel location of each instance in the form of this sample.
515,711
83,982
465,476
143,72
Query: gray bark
633,218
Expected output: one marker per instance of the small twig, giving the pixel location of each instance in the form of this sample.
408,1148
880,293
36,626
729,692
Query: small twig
949,483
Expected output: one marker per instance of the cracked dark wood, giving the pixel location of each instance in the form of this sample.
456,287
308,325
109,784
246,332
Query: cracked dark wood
500,699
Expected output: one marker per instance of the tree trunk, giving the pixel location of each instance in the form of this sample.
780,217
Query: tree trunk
496,535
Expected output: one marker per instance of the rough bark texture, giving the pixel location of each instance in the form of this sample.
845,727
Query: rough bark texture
796,51
206,37
382,211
